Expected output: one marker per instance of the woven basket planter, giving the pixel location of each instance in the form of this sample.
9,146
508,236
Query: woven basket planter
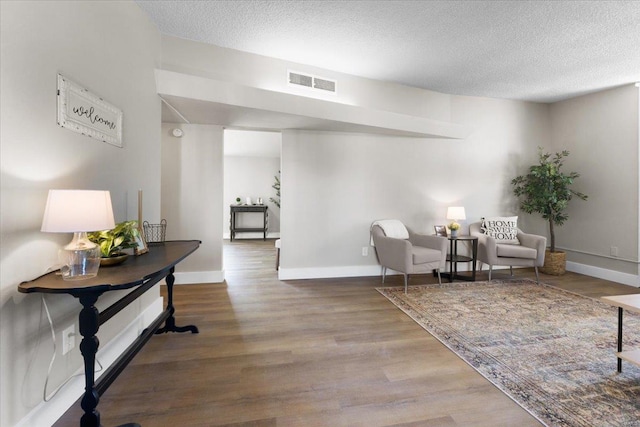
554,263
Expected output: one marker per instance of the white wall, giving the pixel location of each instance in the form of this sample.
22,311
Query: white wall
337,184
110,48
600,131
192,189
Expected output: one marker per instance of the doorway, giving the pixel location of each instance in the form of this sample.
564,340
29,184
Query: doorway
252,163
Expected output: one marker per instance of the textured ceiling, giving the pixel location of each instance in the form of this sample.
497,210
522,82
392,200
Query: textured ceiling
541,51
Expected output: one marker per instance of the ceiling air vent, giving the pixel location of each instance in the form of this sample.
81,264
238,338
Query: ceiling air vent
312,82
300,79
324,84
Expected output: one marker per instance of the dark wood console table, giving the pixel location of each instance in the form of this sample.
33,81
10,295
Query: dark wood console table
235,209
138,273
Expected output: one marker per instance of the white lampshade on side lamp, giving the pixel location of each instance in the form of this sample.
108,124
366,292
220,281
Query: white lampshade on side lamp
77,212
456,213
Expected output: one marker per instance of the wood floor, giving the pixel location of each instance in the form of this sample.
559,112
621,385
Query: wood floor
328,352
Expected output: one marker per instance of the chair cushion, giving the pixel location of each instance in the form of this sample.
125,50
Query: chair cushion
516,251
422,255
503,229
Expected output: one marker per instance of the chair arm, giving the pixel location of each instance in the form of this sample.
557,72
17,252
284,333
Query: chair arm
539,243
394,253
432,242
487,249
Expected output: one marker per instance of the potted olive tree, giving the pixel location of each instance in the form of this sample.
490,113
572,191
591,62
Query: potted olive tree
546,190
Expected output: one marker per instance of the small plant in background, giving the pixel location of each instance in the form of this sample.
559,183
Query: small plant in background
454,226
276,186
238,200
113,242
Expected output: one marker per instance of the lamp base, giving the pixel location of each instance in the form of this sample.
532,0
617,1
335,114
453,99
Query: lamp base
80,259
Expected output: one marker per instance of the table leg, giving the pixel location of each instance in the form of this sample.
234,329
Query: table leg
233,225
88,325
451,263
474,245
170,323
620,311
264,225
455,257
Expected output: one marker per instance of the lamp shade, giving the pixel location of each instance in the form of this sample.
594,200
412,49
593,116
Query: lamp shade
70,211
456,212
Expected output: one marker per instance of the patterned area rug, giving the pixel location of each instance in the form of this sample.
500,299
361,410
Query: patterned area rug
550,350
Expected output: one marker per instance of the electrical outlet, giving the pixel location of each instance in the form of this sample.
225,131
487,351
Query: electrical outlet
614,251
68,339
365,251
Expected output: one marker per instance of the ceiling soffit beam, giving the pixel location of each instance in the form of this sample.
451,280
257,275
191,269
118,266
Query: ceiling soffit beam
175,110
170,83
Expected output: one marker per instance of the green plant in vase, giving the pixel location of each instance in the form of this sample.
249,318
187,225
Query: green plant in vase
546,190
113,242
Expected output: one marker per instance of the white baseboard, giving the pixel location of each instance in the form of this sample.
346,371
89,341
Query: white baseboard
47,413
603,273
251,235
328,272
191,277
375,270
348,271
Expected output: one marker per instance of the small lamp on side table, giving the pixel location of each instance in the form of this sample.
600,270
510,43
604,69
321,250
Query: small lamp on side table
78,211
455,213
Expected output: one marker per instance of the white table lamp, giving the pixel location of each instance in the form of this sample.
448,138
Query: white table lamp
456,213
78,211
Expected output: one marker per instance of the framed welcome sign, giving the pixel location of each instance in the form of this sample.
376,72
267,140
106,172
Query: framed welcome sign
81,111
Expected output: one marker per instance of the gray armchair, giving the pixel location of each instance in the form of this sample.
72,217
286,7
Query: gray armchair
528,253
418,254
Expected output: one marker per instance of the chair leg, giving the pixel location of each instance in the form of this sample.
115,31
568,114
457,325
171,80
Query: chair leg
490,270
537,278
384,273
480,266
406,282
439,278
277,258
511,270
